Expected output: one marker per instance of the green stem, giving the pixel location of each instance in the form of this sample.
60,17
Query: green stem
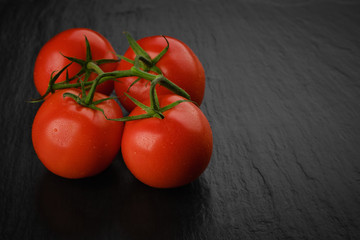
100,72
154,110
95,67
102,77
140,73
154,102
91,93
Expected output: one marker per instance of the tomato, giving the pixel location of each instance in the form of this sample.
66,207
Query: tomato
71,43
179,64
73,141
169,152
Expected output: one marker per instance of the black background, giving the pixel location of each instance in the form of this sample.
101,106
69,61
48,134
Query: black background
282,97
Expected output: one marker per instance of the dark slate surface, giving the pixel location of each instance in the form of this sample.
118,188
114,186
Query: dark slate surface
282,97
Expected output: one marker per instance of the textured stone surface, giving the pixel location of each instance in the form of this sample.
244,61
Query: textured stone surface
282,97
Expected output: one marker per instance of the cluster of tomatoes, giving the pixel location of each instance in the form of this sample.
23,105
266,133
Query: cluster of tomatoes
165,141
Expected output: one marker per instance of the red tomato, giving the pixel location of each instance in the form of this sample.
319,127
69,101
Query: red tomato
179,64
71,43
169,152
73,141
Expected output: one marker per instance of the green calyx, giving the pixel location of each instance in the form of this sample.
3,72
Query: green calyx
142,59
87,67
154,110
80,100
85,99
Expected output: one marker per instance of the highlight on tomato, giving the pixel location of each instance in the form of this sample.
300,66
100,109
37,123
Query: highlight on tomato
73,140
55,54
161,55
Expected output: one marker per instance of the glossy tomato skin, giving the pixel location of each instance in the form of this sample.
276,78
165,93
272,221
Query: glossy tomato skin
179,64
71,43
169,152
74,141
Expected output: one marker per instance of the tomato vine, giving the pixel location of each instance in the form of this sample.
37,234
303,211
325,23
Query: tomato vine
55,130
89,66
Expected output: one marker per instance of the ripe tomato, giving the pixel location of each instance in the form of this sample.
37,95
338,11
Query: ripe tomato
71,43
73,141
179,64
169,152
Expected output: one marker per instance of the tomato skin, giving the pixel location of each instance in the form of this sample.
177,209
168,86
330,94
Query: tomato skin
73,141
179,64
71,43
169,152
